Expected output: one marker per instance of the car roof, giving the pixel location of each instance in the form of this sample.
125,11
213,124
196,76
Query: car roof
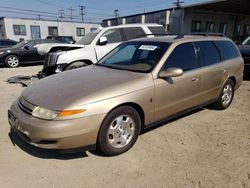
178,38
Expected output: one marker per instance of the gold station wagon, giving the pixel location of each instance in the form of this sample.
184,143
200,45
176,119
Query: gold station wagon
139,83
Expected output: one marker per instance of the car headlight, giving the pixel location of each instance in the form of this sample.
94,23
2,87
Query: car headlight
44,113
47,114
2,53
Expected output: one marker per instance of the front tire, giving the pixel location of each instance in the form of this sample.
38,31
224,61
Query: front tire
119,131
226,96
12,61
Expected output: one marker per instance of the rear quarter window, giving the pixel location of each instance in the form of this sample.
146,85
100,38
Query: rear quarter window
227,49
157,30
133,32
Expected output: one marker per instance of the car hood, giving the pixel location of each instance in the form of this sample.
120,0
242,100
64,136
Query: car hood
45,48
83,86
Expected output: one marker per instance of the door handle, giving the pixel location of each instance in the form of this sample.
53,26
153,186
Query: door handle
195,79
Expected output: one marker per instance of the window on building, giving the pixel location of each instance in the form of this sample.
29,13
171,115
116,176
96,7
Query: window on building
133,19
53,31
206,49
238,30
93,29
196,26
19,29
183,56
80,31
210,27
223,28
246,30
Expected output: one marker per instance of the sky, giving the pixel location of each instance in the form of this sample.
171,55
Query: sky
95,10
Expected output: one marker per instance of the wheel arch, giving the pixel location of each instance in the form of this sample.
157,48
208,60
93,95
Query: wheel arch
233,79
89,62
134,105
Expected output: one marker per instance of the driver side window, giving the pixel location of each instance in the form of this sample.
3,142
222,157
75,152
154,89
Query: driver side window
183,56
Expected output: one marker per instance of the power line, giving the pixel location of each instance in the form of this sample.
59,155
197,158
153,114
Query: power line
27,10
41,14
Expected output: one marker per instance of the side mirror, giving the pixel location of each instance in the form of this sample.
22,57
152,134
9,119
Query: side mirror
171,72
103,41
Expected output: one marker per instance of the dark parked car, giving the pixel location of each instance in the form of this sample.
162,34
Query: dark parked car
245,52
4,43
23,52
64,39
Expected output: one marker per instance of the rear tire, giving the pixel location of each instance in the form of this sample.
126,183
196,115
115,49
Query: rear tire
12,61
119,131
226,96
76,65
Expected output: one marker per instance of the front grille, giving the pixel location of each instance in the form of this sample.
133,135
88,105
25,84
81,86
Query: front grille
50,60
26,106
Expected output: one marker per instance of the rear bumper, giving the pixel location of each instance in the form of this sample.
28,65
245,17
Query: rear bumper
66,134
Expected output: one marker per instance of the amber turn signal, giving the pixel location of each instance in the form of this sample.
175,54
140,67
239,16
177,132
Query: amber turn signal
70,112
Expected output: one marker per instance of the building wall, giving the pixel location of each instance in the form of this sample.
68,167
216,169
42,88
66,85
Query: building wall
161,17
64,28
217,18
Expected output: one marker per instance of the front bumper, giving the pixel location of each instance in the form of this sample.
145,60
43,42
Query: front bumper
66,134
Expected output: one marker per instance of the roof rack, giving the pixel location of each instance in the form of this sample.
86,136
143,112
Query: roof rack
200,34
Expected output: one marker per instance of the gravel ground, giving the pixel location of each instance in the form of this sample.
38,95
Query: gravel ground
204,149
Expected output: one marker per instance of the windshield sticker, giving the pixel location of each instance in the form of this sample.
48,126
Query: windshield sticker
148,47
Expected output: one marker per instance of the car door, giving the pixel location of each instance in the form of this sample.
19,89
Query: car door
29,53
114,38
213,73
175,94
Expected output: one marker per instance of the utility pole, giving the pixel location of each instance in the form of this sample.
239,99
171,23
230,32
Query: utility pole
82,14
39,16
178,3
117,16
61,14
71,13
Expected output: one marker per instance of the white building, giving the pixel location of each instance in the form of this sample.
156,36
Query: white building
25,29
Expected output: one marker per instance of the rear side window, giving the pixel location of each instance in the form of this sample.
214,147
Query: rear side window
113,35
133,32
183,56
227,49
208,52
157,30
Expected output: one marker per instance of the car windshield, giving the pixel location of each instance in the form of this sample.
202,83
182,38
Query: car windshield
135,56
20,44
87,39
246,41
